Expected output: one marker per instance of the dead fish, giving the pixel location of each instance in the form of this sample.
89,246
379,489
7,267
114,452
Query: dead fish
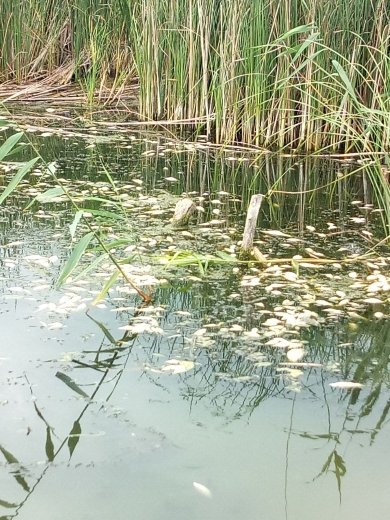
346,385
203,490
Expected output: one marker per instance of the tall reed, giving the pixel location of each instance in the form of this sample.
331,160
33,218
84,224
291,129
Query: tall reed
285,74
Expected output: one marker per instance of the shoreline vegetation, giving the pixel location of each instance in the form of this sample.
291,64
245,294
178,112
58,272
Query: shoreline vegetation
312,77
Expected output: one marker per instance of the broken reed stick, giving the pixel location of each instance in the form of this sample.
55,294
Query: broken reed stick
298,260
250,225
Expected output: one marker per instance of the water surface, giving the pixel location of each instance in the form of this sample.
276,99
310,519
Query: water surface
95,426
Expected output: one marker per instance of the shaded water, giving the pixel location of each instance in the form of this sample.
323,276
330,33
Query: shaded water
266,438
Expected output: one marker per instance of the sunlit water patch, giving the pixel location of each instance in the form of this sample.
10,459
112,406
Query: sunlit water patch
240,389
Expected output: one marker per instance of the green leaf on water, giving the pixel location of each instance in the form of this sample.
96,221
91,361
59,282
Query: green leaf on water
106,333
49,446
74,437
226,257
327,436
325,467
7,505
17,178
74,258
71,384
11,459
371,400
6,147
339,469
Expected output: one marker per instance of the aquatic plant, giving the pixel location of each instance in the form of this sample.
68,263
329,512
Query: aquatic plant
308,76
9,147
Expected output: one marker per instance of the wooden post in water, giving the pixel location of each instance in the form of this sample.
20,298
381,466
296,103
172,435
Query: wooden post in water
250,225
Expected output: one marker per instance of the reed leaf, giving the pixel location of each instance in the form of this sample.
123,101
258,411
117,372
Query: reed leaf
74,258
22,172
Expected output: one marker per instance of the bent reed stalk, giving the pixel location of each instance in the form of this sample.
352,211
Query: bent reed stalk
278,74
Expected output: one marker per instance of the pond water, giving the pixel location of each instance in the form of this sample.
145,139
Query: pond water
227,396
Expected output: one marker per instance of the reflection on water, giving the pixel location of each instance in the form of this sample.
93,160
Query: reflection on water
92,426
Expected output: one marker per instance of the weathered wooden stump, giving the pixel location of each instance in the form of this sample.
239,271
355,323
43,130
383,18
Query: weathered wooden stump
184,210
250,226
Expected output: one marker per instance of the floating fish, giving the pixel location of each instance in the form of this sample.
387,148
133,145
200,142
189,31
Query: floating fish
202,490
346,385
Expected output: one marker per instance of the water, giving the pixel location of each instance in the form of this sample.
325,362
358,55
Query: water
265,438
